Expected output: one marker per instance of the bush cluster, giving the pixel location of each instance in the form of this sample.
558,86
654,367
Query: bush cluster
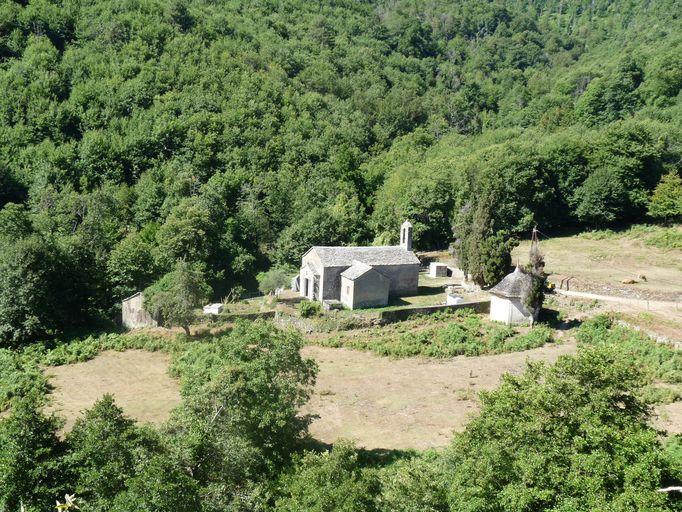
444,335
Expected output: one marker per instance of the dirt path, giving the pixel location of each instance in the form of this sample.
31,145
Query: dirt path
138,380
406,403
662,306
657,318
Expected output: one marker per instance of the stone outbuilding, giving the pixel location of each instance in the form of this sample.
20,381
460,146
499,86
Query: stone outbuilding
134,316
437,269
507,299
363,286
213,309
322,267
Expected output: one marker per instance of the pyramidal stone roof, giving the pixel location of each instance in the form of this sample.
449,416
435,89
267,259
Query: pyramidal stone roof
383,255
514,286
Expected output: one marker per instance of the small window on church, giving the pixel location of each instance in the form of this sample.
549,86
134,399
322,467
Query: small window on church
347,290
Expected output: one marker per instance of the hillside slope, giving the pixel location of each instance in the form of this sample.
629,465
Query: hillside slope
235,134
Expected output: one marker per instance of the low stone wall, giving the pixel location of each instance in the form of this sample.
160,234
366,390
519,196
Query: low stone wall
248,316
657,337
325,323
399,315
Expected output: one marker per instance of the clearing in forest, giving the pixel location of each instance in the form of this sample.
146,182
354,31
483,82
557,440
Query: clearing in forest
602,260
649,258
137,379
407,403
376,401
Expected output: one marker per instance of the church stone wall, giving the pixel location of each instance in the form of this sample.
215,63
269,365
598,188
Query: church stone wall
368,290
404,278
331,282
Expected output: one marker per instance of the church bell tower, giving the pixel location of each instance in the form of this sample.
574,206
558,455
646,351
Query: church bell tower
406,235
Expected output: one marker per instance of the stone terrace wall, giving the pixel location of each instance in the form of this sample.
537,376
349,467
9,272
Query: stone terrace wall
399,315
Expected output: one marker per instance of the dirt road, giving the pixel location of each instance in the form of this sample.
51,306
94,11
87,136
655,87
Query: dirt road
660,306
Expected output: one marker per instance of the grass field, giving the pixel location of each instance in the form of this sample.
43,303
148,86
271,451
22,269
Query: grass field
601,260
406,403
380,402
137,379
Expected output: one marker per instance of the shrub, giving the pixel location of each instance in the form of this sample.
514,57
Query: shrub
670,238
19,378
659,361
464,333
308,309
329,481
572,436
416,485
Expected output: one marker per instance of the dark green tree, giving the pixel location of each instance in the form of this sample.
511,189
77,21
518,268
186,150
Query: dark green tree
38,295
611,98
132,264
573,436
105,448
175,297
240,421
32,466
666,201
159,485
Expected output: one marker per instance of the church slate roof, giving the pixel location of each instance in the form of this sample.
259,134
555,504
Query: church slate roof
514,286
356,270
384,255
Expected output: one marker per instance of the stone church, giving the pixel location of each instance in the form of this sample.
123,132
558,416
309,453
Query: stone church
360,277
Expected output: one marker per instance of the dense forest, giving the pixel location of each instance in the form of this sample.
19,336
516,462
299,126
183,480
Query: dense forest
233,135
182,147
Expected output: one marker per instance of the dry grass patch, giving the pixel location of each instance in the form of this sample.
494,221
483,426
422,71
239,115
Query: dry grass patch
600,261
407,403
137,379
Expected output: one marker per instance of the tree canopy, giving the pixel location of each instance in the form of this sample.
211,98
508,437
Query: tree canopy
235,135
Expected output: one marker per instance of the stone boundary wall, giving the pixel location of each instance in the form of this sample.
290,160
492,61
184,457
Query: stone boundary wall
657,337
325,323
399,315
247,316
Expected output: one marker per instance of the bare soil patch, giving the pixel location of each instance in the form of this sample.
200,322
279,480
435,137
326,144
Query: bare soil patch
668,417
137,379
407,403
